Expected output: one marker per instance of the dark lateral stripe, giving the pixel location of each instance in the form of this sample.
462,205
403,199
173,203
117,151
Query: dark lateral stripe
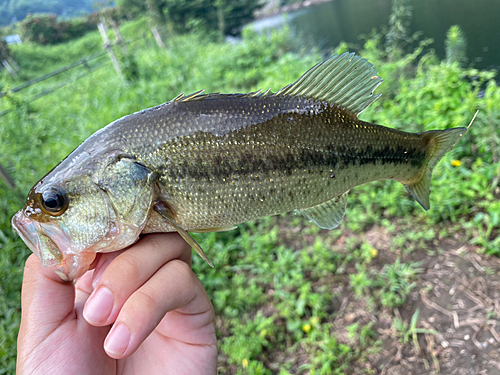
393,155
220,167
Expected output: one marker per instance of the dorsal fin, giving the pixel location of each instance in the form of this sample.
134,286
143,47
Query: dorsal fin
346,80
183,98
199,95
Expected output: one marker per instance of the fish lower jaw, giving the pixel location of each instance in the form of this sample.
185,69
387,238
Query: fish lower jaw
25,229
74,266
46,248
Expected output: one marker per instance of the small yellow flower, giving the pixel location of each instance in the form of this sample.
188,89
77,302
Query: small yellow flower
306,328
263,333
456,163
244,362
373,252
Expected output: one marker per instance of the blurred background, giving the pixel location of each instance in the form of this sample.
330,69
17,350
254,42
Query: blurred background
394,290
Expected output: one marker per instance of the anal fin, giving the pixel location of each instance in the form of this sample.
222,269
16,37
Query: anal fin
327,215
419,190
168,216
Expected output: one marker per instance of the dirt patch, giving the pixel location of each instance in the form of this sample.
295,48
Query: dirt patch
458,326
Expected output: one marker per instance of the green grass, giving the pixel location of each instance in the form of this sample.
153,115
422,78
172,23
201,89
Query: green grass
275,279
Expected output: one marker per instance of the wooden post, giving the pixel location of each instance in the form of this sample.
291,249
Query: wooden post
104,23
157,36
11,71
109,47
13,63
222,21
118,35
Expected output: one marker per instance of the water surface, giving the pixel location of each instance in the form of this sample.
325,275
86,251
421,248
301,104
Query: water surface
327,24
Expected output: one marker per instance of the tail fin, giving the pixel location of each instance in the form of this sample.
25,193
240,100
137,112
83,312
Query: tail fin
440,142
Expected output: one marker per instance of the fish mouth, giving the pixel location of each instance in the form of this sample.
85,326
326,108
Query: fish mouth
46,241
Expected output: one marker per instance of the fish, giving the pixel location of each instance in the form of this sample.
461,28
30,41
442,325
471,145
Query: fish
207,162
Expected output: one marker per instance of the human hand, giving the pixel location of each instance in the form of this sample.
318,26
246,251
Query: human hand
163,321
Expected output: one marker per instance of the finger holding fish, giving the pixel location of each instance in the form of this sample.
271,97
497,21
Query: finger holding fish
119,275
173,289
139,287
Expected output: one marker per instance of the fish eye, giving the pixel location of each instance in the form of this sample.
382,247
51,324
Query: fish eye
54,201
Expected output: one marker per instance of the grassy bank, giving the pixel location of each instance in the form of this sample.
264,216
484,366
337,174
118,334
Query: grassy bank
289,298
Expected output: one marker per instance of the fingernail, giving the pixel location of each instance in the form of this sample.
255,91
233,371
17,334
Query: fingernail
117,340
99,306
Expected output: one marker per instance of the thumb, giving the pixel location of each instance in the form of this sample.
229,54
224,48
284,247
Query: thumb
46,301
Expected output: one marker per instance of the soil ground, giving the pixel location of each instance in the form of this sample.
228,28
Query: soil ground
457,295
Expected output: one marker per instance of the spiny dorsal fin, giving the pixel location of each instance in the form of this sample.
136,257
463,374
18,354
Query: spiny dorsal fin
345,80
183,98
254,94
199,95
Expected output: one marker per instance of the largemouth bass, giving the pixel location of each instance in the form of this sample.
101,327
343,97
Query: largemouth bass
206,162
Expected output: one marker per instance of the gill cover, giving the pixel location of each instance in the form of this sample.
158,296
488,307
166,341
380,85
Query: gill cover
130,188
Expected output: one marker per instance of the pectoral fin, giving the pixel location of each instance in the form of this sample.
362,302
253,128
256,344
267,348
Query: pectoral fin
217,229
169,217
327,215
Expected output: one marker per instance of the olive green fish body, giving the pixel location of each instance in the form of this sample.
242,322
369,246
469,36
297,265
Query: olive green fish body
205,162
292,153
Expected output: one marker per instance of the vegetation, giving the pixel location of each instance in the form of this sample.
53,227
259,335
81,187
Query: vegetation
192,15
19,9
279,283
48,29
399,22
45,29
456,46
181,16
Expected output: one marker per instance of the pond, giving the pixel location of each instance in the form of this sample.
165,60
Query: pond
327,24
